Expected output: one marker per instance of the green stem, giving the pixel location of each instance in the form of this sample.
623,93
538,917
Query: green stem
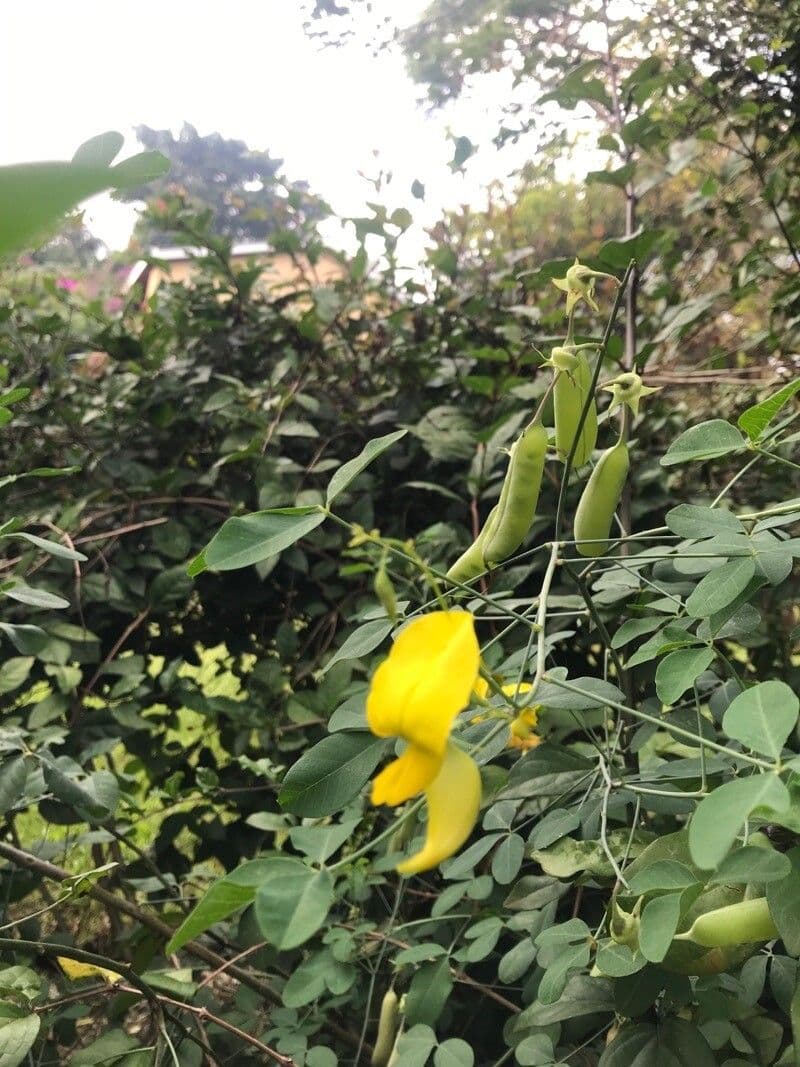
776,457
679,731
562,494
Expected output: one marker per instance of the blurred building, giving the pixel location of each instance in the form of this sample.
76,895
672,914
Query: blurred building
282,273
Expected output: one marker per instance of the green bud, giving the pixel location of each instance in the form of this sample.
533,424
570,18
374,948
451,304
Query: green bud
628,389
579,283
384,591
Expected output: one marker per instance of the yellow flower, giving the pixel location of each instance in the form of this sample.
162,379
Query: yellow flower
416,694
523,729
522,733
454,798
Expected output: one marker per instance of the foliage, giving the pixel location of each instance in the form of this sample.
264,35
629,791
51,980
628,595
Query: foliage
221,522
247,197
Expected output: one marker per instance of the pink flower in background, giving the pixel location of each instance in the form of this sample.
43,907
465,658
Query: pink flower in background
69,285
113,305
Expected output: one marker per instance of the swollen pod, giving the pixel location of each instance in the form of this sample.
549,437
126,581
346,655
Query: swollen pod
599,501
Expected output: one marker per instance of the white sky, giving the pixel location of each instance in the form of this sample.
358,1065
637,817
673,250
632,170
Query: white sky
243,68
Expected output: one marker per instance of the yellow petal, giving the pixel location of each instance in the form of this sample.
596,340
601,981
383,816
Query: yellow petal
454,799
76,970
514,690
404,777
481,688
426,680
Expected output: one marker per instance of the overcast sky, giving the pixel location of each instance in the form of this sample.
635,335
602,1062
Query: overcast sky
246,69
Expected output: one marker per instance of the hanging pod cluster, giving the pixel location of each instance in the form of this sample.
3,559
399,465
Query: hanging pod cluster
575,438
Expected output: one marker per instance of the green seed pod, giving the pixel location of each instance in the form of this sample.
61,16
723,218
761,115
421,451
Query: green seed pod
387,1029
384,591
599,501
736,924
519,496
572,384
470,563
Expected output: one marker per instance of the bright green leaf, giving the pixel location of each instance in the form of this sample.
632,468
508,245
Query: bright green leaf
350,470
361,642
247,539
708,440
722,814
720,587
679,670
659,923
292,902
754,420
763,717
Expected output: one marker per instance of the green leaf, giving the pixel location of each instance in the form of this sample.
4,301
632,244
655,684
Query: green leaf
720,587
415,1046
454,1053
596,693
51,547
783,898
721,815
751,864
633,628
78,795
34,598
320,1056
555,977
762,717
248,539
18,1031
35,196
582,996
427,995
13,776
15,671
535,1051
139,169
330,774
661,875
708,440
350,470
659,923
100,150
679,670
292,902
26,639
105,1051
361,642
618,961
617,253
319,843
669,1044
754,420
13,396
619,177
694,521
507,860
220,900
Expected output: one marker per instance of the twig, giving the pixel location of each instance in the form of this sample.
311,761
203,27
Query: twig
49,870
123,637
221,970
609,785
120,530
216,1020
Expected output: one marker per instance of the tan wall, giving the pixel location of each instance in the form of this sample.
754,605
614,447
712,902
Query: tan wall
282,273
